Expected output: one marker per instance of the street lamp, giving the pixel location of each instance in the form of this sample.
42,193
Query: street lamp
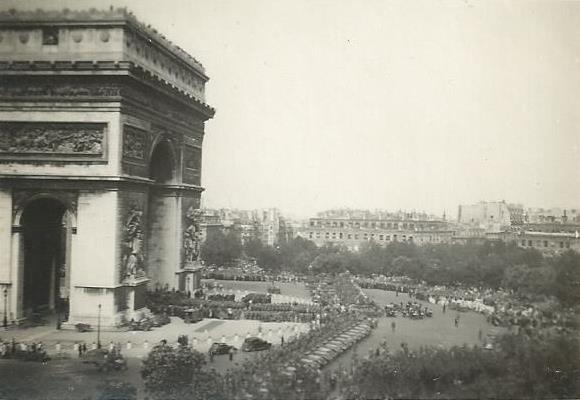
99,329
188,288
5,321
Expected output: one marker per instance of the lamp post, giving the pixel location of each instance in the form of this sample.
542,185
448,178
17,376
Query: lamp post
5,320
99,329
188,288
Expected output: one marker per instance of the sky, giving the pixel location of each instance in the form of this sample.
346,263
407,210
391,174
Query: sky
413,105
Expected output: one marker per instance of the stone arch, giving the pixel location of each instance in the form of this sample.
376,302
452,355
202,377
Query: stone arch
163,162
70,207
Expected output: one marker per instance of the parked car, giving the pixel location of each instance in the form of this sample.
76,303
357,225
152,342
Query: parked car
220,348
141,325
255,344
160,320
191,316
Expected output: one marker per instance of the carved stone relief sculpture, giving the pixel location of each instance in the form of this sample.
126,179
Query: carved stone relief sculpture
51,138
192,235
134,142
132,261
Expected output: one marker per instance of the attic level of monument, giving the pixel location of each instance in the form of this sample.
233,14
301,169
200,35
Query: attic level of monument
85,41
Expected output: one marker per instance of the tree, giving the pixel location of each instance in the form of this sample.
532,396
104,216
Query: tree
170,373
221,249
567,280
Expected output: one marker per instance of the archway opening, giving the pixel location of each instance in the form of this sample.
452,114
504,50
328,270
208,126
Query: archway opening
44,243
162,164
162,219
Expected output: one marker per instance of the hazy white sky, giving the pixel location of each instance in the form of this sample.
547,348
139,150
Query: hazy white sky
381,104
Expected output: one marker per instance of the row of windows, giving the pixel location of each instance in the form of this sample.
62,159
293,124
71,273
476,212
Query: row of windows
366,236
387,225
545,243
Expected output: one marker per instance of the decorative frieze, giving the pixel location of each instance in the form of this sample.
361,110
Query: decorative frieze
51,138
59,91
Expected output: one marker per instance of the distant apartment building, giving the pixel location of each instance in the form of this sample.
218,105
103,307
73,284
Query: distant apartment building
548,243
269,226
210,223
493,216
352,228
266,225
552,215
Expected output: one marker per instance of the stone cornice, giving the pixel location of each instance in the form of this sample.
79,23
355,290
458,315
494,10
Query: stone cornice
104,68
59,182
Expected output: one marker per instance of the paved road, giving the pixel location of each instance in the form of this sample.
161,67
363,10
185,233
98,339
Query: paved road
438,330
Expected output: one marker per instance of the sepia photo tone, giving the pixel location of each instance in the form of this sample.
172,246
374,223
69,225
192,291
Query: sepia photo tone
285,200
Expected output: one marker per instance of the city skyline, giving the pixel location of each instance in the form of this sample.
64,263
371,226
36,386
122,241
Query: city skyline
394,105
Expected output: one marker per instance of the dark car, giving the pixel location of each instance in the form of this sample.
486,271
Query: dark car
191,316
220,348
159,320
255,344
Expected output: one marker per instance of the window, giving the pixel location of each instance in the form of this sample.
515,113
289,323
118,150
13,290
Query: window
530,243
567,245
366,236
50,36
317,235
340,235
388,238
350,236
327,235
356,236
523,242
311,223
342,224
545,243
381,237
561,245
311,235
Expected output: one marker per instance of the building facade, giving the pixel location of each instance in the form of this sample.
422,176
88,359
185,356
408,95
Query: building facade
493,216
101,132
352,232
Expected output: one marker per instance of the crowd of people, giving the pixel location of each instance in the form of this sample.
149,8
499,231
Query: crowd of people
34,351
501,307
